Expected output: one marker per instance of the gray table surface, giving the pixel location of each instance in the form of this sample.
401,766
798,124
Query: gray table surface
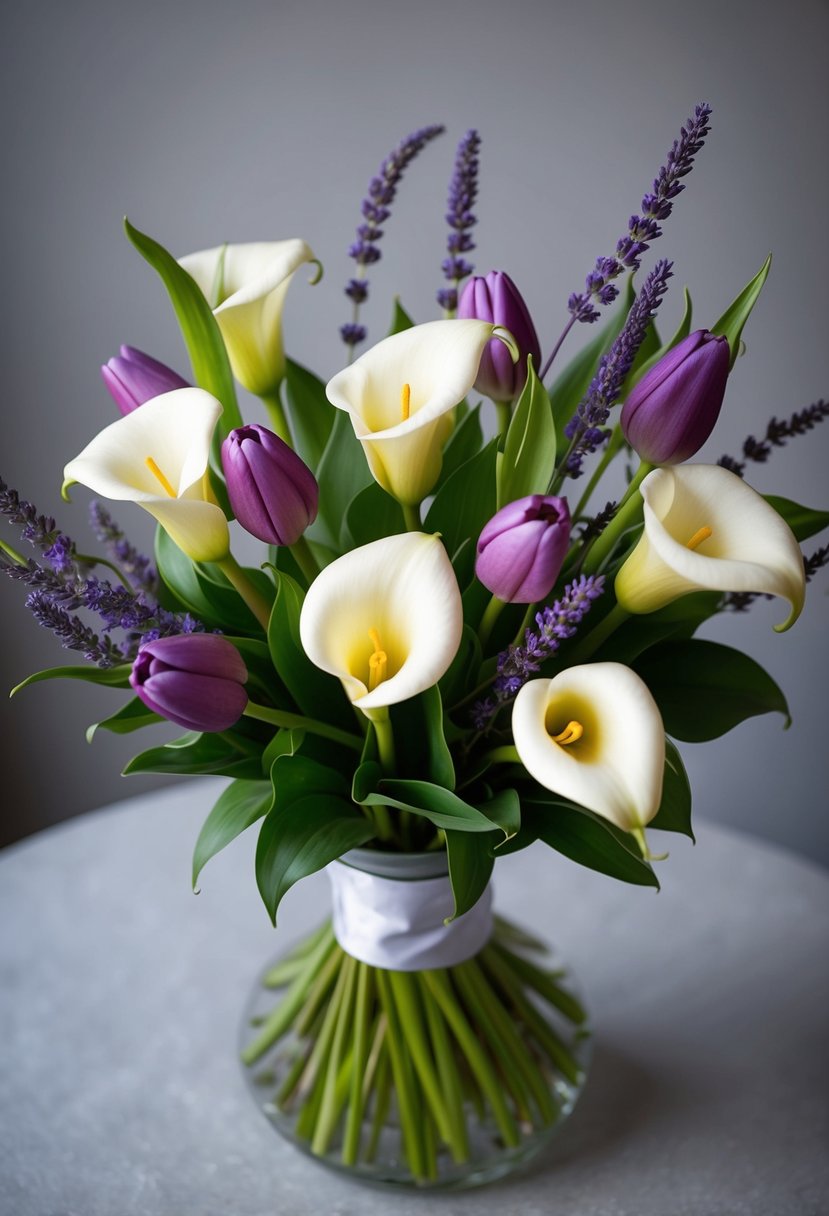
121,991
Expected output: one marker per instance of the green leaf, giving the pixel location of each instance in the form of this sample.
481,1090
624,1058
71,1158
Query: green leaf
284,743
679,619
803,521
294,777
195,753
421,745
440,806
132,716
311,413
113,677
703,689
371,515
298,838
236,808
464,443
400,319
208,596
588,840
674,814
470,868
202,337
730,324
463,670
342,473
530,447
467,500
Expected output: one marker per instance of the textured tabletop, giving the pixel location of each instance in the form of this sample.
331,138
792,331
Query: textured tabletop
121,992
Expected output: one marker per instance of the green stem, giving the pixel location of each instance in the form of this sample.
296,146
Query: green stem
543,983
329,1110
276,413
89,559
287,968
305,559
450,1081
312,1085
404,993
385,742
627,514
16,557
609,454
318,993
382,1101
587,646
504,755
281,1018
356,1105
410,1124
411,515
503,414
493,610
279,717
254,599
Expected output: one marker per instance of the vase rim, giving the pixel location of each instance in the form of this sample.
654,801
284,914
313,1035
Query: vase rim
405,867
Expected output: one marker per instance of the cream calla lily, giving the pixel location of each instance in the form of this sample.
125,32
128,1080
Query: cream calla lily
385,618
251,282
157,456
593,734
401,395
705,529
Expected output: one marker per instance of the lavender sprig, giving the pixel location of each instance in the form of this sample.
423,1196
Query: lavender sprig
463,191
73,633
585,427
138,569
375,211
776,435
517,664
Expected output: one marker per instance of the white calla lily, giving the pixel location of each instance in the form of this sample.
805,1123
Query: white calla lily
245,286
385,618
401,395
594,735
157,456
705,529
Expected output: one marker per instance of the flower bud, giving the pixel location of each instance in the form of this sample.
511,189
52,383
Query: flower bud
672,410
133,378
521,549
194,679
273,494
496,299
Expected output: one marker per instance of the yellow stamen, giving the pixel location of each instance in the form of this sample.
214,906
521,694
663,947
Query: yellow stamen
377,662
156,472
572,732
699,536
405,402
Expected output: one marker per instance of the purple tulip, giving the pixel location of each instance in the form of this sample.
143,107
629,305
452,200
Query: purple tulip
496,299
273,494
521,549
133,378
672,410
194,679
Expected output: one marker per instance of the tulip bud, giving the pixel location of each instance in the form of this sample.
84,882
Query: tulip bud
521,549
672,410
273,494
133,378
194,679
496,299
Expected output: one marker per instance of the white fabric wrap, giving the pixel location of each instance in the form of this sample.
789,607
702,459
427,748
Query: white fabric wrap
398,924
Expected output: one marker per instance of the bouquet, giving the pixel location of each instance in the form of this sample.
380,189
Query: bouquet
454,644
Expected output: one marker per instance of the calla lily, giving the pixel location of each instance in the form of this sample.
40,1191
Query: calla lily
245,286
705,529
157,457
385,618
401,395
594,735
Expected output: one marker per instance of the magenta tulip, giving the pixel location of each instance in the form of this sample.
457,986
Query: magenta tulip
522,548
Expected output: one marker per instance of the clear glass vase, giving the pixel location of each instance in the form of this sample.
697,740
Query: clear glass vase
446,1077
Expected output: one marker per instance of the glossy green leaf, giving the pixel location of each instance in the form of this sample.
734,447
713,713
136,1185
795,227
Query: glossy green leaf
202,337
194,753
311,413
530,446
703,689
467,500
370,516
440,806
588,840
460,678
420,742
464,443
284,743
209,596
674,814
679,619
112,677
803,521
294,777
133,716
400,319
236,808
731,323
343,472
470,868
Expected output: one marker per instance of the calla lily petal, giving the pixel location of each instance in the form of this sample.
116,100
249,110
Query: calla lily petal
253,280
615,766
174,431
438,361
749,547
396,597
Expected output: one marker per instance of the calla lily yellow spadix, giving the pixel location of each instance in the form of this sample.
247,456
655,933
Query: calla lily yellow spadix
705,529
245,286
400,396
594,735
157,457
386,619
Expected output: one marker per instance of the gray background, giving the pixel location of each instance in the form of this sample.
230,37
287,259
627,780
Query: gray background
209,122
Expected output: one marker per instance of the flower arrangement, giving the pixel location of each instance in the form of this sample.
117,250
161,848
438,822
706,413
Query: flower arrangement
449,650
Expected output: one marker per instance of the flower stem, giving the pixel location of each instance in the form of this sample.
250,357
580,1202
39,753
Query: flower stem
385,742
626,515
503,755
356,1105
587,646
493,610
305,559
610,452
411,515
254,599
503,414
411,1125
283,1015
543,374
276,414
279,717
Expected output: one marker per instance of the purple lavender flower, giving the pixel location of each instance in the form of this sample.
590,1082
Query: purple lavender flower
73,633
463,191
375,211
139,570
777,432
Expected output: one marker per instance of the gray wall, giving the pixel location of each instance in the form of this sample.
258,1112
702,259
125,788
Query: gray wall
209,122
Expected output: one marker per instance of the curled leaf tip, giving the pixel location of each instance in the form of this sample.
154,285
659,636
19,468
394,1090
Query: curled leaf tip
64,490
318,273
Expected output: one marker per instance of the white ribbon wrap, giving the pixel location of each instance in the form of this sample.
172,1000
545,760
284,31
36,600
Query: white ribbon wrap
398,924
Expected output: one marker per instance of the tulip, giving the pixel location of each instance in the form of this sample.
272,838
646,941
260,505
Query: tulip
594,735
705,529
672,410
496,299
521,549
196,680
251,282
274,495
157,457
133,378
386,619
401,396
